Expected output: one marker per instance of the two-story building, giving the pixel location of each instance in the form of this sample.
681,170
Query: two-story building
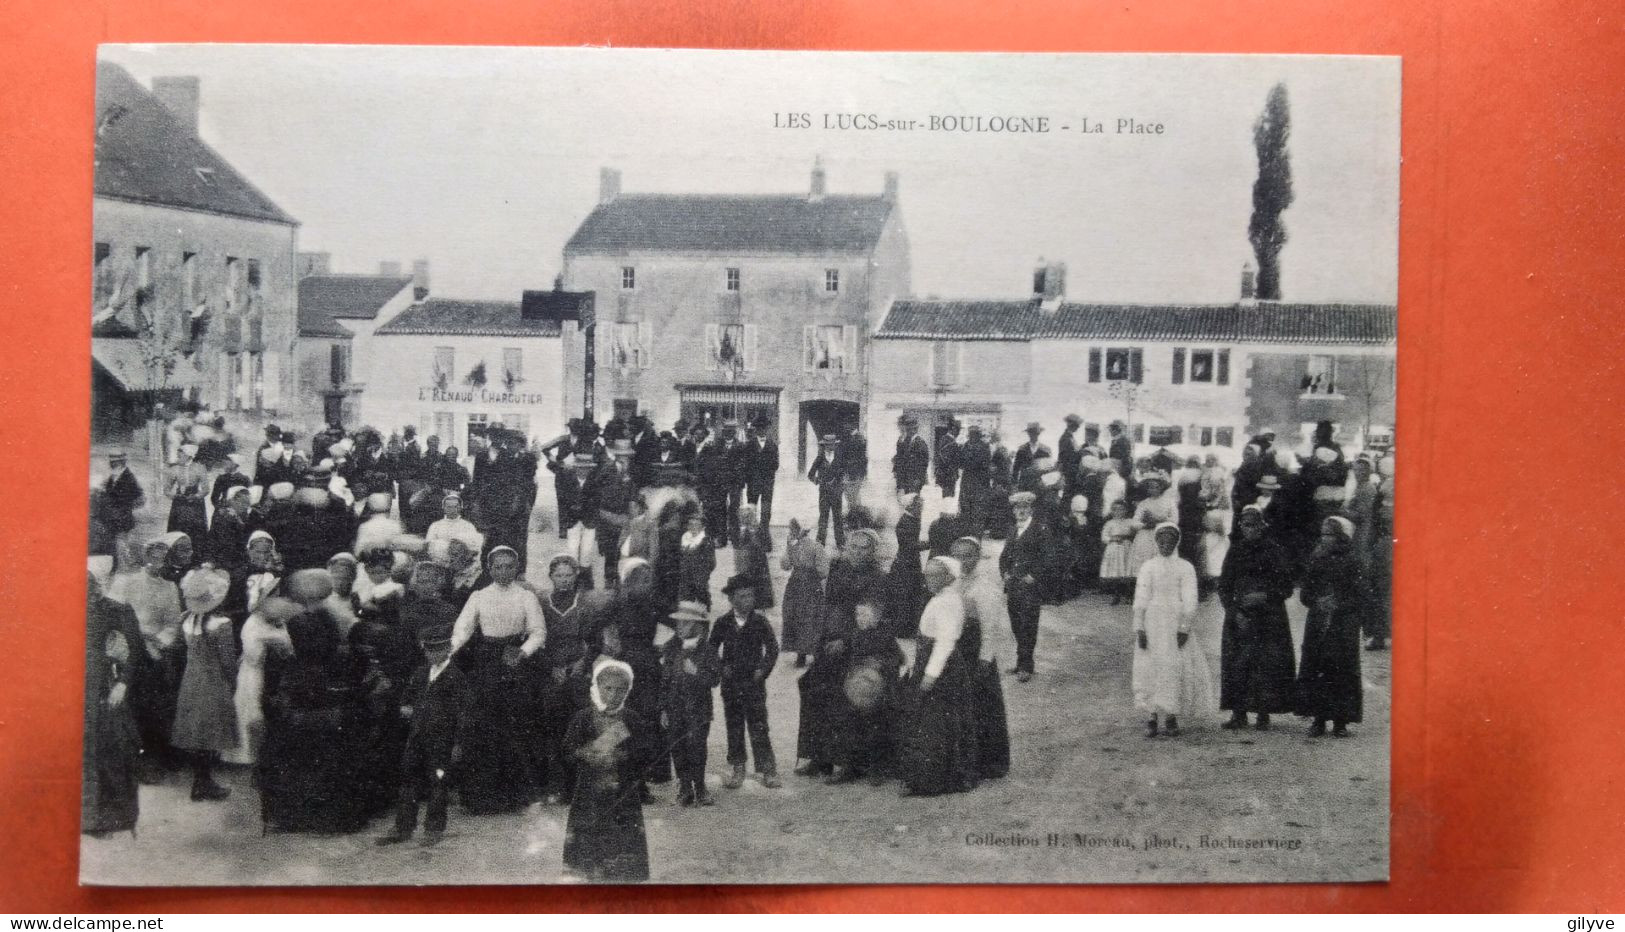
744,306
337,314
453,367
1195,378
194,284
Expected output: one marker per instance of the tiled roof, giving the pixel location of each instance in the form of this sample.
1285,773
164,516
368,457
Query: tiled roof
733,223
457,317
1265,322
326,299
143,153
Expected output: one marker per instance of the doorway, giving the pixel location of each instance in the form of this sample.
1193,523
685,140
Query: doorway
819,418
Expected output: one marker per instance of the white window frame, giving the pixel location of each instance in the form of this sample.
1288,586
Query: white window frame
1309,391
629,278
842,361
449,354
637,356
517,370
1212,366
1128,364
832,281
731,279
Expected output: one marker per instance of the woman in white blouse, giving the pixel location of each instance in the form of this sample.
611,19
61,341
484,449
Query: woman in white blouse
937,741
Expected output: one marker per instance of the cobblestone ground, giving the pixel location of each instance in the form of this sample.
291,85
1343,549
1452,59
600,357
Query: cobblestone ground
1088,799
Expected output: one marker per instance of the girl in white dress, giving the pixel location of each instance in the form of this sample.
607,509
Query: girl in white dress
1171,675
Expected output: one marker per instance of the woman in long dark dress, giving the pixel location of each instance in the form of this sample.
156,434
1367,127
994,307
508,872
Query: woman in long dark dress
938,738
312,767
113,650
854,577
1256,669
603,837
907,581
1334,588
564,679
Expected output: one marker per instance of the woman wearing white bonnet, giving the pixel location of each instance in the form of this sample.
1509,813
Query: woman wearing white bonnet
937,751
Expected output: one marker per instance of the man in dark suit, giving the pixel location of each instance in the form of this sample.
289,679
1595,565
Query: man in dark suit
714,466
909,463
1068,451
1029,451
1122,448
438,694
975,481
609,495
764,467
1024,564
826,472
121,496
739,455
645,451
854,457
947,465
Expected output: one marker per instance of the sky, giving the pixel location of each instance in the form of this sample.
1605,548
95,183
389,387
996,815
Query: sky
485,160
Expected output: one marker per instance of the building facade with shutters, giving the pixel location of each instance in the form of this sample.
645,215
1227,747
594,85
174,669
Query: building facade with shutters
337,316
193,292
453,367
711,307
1193,378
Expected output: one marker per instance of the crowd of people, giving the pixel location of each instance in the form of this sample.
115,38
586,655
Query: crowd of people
355,623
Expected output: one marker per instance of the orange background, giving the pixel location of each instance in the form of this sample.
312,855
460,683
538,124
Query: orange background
1507,744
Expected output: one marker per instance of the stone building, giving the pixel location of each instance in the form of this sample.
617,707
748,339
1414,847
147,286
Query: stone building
711,306
1195,378
193,295
337,315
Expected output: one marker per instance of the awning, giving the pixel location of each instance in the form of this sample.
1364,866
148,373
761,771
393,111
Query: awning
724,395
121,359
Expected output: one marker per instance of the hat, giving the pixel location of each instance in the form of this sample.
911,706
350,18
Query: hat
453,493
1090,463
1343,525
379,502
204,589
1050,480
731,424
1023,498
737,582
761,422
1118,425
1073,420
342,558
279,491
1255,510
117,455
1044,463
310,585
1033,427
621,448
909,420
1167,526
273,429
435,635
1269,484
828,440
1156,475
688,610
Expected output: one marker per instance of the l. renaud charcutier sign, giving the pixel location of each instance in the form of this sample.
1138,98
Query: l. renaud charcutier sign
482,396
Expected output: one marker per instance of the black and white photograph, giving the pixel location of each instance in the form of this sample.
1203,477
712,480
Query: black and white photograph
545,466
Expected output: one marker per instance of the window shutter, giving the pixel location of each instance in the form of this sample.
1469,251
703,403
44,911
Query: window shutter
232,334
750,347
1136,367
1094,365
644,347
225,364
1222,376
809,350
272,380
1179,365
849,353
335,364
956,363
713,344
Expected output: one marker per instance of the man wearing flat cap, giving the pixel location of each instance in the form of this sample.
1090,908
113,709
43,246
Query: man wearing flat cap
913,457
1025,565
1029,451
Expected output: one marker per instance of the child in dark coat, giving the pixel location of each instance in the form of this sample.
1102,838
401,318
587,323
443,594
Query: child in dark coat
691,671
698,560
748,649
434,708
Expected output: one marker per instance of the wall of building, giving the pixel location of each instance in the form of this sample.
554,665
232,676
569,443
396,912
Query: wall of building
401,390
170,233
994,390
677,296
1363,396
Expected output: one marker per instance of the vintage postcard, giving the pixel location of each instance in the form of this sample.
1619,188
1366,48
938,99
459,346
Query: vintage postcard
528,465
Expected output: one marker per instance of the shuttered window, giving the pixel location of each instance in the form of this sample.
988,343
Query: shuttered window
1094,365
1179,365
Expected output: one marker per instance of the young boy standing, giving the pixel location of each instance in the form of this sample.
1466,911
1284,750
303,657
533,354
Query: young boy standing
748,650
435,711
691,671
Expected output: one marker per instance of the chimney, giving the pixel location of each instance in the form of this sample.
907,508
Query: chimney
180,94
817,192
1049,284
389,268
1249,284
420,279
890,193
315,263
609,184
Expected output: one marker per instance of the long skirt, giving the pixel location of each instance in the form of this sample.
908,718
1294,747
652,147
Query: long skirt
109,799
803,612
992,724
1256,669
1329,685
1167,678
937,743
498,733
604,838
822,700
189,515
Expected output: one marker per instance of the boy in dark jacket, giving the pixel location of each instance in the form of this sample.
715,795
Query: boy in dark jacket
691,672
432,747
747,649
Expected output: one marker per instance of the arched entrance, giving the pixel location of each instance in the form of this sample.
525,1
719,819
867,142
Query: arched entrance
820,417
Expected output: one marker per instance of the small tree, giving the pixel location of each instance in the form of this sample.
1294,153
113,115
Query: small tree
1272,192
1369,383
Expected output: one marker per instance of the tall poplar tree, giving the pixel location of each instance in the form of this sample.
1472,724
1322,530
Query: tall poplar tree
1272,192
